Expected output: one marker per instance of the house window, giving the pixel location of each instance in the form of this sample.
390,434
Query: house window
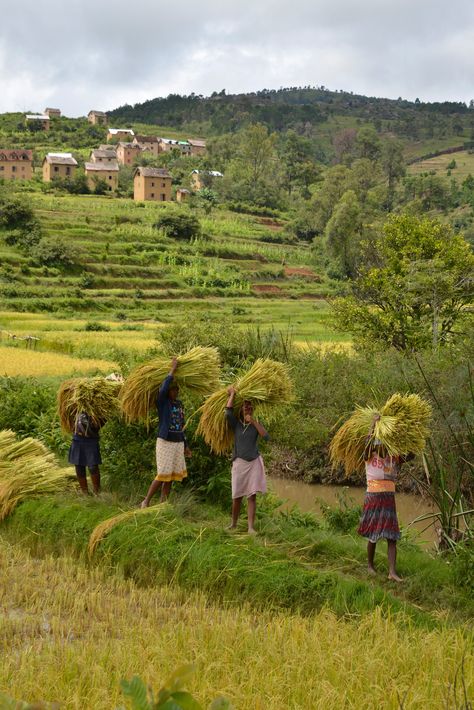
56,169
13,168
153,184
2,167
110,177
68,170
163,197
152,194
163,184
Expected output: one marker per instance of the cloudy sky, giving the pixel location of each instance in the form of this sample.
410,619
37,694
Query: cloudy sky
83,54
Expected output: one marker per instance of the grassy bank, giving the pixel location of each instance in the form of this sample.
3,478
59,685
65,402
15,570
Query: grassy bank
73,632
293,564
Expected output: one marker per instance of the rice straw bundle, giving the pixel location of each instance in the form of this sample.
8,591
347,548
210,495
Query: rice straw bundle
103,528
96,396
198,371
401,426
267,385
27,469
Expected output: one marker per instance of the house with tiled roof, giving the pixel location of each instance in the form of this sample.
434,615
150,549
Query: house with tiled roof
106,155
108,173
151,144
58,166
152,184
198,147
121,134
97,118
52,112
37,119
16,164
127,153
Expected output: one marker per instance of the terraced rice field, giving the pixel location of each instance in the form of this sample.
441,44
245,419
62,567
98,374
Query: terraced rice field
19,361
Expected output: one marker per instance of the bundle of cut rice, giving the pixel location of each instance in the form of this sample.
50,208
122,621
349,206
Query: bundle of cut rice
400,427
96,396
103,528
27,469
198,371
267,385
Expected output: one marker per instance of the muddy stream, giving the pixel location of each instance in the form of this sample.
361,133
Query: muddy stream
308,495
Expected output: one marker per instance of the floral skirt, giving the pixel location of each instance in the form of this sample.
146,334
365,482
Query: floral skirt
170,461
379,517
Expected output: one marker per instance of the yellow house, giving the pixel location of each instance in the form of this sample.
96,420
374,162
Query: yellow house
152,184
40,119
127,152
99,171
58,166
16,164
204,178
106,156
97,118
148,143
121,134
52,112
198,147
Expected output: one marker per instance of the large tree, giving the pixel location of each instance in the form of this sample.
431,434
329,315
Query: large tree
419,293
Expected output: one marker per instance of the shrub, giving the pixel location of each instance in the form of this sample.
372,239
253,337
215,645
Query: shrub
53,251
94,326
178,224
15,213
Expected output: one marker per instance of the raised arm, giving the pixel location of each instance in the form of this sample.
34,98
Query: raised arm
259,427
229,408
165,385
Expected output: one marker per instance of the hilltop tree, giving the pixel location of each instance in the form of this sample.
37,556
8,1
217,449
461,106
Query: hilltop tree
420,292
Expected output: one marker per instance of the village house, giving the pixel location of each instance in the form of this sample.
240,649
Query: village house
167,145
53,112
105,155
152,184
58,166
120,134
198,147
204,178
16,164
38,118
99,171
148,143
97,118
185,147
182,195
127,153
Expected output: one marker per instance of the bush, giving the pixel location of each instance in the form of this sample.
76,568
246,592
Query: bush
54,251
178,224
16,213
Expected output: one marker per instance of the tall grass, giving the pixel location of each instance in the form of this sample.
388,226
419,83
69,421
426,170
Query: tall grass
73,632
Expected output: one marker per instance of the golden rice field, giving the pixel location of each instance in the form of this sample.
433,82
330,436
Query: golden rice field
69,633
19,361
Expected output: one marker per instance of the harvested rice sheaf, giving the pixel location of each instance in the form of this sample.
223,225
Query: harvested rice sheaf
267,385
27,469
96,396
198,371
102,529
401,426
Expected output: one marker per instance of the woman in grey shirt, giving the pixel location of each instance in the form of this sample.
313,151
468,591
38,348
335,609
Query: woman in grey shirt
248,471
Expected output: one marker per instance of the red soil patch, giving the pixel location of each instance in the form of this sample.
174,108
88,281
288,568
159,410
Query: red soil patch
270,223
302,271
266,288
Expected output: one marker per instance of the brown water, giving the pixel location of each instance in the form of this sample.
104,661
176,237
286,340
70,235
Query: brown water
307,495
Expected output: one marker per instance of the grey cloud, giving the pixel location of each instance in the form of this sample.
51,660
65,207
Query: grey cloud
79,54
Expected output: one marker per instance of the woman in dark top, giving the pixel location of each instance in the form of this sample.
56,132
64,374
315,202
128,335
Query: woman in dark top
84,452
171,444
248,471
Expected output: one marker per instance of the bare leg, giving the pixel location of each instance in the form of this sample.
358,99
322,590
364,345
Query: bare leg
392,561
371,556
151,492
82,479
236,505
165,490
252,507
95,478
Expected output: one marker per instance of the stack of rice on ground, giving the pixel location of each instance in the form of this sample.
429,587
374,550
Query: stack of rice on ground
101,530
267,385
198,372
96,396
401,427
27,470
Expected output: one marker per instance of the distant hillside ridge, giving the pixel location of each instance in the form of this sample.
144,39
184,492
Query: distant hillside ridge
293,107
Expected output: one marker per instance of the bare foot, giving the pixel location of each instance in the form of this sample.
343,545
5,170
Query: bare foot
144,504
252,531
394,577
231,527
372,571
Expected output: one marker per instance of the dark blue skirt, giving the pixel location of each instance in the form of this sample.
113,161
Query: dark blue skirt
85,452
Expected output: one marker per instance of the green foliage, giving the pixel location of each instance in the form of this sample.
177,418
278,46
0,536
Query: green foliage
178,224
54,251
418,294
345,517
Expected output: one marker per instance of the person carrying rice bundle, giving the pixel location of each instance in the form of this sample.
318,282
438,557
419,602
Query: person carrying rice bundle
84,452
248,471
171,444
